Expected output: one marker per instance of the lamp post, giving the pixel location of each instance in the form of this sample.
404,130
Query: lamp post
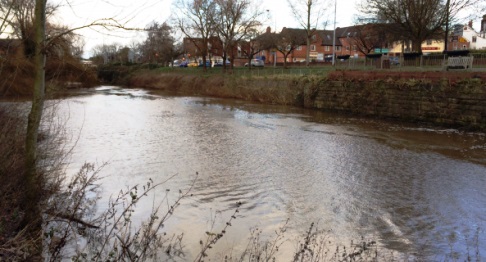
446,27
275,31
334,36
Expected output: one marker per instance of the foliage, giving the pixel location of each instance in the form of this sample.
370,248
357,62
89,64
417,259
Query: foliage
160,46
414,20
111,235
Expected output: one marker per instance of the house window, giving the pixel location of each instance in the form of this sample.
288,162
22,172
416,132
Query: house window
299,48
474,39
429,42
338,48
327,48
347,48
288,48
314,37
354,47
313,47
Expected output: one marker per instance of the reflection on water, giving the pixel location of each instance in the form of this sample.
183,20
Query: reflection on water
412,189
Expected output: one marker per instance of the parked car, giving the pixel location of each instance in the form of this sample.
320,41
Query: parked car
256,63
220,63
192,64
208,64
176,63
183,64
328,58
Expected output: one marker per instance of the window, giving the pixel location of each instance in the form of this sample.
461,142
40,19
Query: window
314,37
354,47
313,47
327,48
299,48
429,42
338,48
347,48
474,39
288,48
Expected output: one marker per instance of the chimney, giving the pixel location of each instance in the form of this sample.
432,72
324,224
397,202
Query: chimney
483,24
269,30
470,24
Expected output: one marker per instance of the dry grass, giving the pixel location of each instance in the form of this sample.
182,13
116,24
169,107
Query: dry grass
17,79
268,89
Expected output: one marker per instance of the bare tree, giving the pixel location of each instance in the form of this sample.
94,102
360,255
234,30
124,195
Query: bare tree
234,20
195,20
370,36
415,20
19,17
288,40
33,187
308,13
255,42
31,18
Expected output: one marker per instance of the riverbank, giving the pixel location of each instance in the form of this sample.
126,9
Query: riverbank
445,99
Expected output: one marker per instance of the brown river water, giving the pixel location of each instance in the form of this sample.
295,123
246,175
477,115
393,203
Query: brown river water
415,190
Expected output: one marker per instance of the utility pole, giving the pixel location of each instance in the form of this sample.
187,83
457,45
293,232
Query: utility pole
446,38
334,36
275,31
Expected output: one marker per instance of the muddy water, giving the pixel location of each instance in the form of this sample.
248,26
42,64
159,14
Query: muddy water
412,189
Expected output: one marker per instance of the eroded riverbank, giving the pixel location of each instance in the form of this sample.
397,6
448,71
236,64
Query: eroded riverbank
448,103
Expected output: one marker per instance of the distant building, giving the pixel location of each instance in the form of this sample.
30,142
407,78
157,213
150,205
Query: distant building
465,37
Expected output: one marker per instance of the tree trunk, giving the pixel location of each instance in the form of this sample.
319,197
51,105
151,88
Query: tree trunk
417,46
307,52
32,178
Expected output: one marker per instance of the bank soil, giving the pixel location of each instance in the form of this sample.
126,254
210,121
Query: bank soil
452,99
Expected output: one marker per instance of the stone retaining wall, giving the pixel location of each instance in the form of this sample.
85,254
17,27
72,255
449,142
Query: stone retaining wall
455,102
461,104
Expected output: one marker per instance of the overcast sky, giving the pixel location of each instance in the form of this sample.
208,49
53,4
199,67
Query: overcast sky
141,13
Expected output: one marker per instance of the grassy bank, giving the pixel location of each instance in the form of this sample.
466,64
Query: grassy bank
273,89
17,80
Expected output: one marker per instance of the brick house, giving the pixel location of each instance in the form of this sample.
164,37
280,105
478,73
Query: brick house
355,41
193,52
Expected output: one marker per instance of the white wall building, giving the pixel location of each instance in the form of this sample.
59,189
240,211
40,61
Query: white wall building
476,40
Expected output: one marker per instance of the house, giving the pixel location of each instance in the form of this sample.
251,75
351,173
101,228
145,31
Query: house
193,46
465,37
353,41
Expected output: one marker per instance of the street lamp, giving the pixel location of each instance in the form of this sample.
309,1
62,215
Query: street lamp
334,36
275,31
447,27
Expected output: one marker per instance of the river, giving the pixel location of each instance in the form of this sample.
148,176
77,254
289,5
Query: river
417,191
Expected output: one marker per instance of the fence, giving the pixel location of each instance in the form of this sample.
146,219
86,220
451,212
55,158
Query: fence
419,63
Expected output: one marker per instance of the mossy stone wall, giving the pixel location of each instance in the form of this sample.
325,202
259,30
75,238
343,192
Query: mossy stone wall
460,104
